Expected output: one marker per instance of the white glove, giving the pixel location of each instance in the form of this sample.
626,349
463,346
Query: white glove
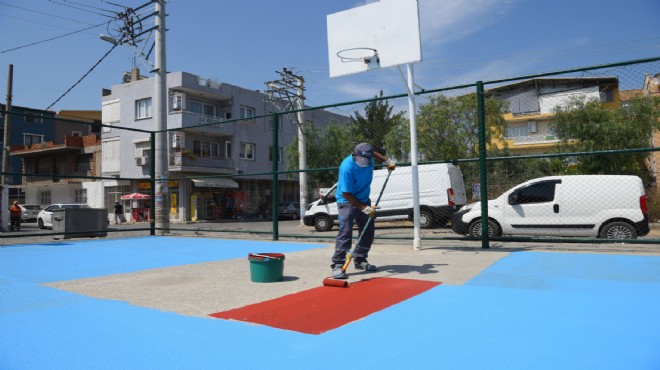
370,211
391,164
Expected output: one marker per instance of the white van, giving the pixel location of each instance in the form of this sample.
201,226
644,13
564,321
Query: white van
604,206
441,193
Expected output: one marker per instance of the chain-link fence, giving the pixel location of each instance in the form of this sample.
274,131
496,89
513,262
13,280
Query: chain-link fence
563,157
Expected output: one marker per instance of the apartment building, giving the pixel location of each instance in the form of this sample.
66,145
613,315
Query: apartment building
205,140
532,102
61,169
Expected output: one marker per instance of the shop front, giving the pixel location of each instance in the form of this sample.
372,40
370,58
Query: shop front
211,199
144,187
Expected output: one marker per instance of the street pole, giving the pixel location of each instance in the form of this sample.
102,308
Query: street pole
162,194
302,148
6,140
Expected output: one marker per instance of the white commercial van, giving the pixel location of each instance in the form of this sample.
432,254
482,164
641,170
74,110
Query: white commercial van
441,193
604,206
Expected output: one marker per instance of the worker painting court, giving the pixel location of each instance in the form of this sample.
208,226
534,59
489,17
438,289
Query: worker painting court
81,303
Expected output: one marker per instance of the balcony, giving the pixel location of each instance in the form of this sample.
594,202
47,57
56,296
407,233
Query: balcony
180,162
207,124
533,139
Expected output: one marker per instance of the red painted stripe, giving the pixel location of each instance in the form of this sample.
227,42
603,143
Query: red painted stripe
325,308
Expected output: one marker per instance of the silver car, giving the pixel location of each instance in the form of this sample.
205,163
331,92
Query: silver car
44,219
29,212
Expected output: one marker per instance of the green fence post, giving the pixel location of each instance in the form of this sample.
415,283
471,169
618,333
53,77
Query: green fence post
152,180
275,188
483,191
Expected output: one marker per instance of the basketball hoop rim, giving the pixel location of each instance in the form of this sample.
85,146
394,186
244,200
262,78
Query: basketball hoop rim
365,59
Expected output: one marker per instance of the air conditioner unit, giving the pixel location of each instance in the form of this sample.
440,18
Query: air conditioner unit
138,161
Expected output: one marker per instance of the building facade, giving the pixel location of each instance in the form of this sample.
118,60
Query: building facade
62,169
532,103
219,148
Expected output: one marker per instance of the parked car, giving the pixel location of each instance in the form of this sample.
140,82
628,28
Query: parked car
441,193
44,218
289,210
29,212
601,206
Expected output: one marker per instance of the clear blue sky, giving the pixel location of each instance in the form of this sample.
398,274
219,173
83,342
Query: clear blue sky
245,42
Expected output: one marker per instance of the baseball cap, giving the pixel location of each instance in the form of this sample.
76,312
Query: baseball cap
362,153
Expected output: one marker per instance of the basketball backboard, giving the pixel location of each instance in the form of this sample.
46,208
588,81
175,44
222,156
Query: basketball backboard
377,35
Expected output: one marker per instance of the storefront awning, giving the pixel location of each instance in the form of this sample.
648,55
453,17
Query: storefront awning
215,183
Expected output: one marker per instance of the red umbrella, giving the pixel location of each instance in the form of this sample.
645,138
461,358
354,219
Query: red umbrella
135,196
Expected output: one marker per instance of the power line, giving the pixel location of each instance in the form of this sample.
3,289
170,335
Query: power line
44,13
81,7
83,77
52,38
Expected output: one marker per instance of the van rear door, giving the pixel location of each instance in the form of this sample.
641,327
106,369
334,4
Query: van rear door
532,210
457,185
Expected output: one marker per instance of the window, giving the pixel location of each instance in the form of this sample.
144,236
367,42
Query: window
279,154
202,108
34,118
83,163
247,151
29,139
228,149
44,197
270,123
81,196
206,149
246,112
516,131
143,108
537,193
215,150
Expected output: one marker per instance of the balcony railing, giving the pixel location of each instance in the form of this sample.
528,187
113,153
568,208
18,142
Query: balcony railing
178,160
533,139
209,123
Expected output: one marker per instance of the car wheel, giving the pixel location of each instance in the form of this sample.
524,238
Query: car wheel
40,222
618,230
323,223
294,216
426,219
475,229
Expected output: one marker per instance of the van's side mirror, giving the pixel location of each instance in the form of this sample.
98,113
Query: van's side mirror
513,198
324,200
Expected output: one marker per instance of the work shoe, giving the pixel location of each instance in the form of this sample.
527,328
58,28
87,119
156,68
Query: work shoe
366,266
338,273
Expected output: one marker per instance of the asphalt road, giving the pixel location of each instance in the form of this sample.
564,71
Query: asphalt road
394,232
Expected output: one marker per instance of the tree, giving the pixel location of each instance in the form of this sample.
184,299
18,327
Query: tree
584,126
373,126
326,148
447,126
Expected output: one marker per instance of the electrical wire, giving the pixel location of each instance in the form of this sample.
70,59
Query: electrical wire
83,77
52,38
44,13
85,10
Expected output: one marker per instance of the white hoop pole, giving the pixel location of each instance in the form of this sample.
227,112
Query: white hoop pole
410,88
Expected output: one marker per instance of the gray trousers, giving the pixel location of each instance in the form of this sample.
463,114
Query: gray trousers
348,216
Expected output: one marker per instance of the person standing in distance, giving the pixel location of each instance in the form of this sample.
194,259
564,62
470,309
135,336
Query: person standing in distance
15,213
354,207
119,213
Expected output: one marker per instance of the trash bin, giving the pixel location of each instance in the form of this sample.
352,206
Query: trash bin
266,267
80,222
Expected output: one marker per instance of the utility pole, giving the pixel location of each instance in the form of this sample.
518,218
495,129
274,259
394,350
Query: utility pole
289,89
162,193
6,140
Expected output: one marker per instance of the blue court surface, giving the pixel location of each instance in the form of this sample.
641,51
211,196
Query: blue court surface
530,310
